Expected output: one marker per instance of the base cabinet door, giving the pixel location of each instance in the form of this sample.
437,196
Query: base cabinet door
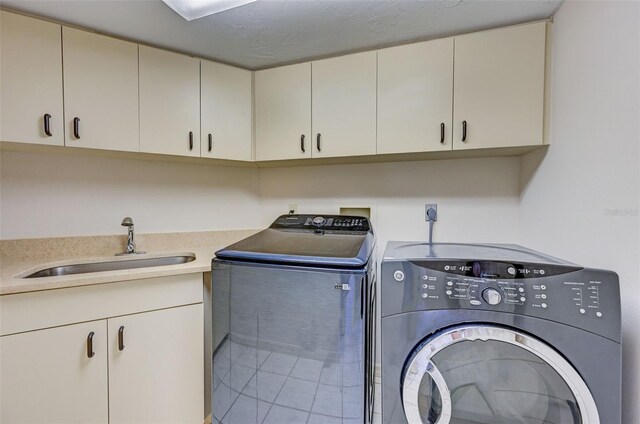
47,375
156,366
499,88
30,80
169,102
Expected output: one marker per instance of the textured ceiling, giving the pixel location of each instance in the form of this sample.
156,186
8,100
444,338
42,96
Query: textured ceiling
273,32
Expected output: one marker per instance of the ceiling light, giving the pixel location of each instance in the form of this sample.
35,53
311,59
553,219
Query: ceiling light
194,9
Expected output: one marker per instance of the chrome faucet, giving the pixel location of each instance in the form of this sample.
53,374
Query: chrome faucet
130,247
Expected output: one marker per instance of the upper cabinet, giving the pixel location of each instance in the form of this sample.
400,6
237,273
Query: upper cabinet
483,90
283,112
499,88
415,97
30,80
226,112
344,106
169,102
100,91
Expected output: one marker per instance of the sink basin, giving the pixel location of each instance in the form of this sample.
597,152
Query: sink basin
85,268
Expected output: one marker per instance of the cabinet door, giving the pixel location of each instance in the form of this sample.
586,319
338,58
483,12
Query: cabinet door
344,106
415,96
47,376
499,87
225,111
158,376
283,112
101,91
169,103
30,80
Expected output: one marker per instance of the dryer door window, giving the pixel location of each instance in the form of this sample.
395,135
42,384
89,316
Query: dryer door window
481,374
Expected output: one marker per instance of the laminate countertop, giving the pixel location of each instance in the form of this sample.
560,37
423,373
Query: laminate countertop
20,258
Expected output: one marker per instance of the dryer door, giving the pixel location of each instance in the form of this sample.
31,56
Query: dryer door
487,374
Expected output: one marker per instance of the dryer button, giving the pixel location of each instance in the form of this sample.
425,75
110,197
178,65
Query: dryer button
475,302
398,276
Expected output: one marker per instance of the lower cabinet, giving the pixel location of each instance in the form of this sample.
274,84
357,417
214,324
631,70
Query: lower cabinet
141,368
156,372
48,377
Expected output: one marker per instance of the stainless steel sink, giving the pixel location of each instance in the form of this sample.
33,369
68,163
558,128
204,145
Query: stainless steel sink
112,265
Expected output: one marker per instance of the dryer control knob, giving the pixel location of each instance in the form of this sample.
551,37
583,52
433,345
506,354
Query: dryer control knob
492,296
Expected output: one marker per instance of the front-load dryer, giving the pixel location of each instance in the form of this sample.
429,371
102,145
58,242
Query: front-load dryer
497,334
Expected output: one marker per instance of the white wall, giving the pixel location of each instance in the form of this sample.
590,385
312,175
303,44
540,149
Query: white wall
54,195
591,167
477,198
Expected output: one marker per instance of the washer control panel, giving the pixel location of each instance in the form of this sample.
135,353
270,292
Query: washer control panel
337,223
585,298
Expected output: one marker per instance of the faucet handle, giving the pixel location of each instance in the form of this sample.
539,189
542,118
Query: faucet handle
127,222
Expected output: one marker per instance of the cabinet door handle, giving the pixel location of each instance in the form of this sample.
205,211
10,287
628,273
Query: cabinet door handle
464,130
121,338
442,133
47,124
90,352
190,140
318,142
76,128
210,142
302,143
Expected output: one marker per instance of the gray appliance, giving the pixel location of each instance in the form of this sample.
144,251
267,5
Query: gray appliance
293,324
497,334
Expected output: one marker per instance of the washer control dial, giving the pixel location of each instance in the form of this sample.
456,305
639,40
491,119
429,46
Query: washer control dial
319,221
491,296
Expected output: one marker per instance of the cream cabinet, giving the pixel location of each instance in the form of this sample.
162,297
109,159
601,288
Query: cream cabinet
126,352
415,97
344,106
100,91
49,376
283,112
499,88
153,356
225,111
169,102
30,80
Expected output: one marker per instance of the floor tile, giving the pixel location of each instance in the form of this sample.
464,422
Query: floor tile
331,374
323,419
328,401
238,377
282,415
267,388
307,369
279,363
246,410
352,402
223,398
252,357
297,394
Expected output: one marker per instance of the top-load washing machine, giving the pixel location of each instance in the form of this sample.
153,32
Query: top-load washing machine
293,314
497,334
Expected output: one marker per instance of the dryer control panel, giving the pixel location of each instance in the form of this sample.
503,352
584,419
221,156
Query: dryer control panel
584,298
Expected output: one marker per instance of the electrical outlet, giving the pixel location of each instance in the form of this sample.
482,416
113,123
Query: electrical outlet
293,208
428,206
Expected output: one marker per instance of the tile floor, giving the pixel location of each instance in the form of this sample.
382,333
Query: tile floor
257,386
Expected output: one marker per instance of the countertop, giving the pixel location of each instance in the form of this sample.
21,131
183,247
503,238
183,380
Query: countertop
22,257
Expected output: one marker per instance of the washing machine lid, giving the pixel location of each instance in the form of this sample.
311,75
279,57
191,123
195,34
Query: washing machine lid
308,240
400,250
487,374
